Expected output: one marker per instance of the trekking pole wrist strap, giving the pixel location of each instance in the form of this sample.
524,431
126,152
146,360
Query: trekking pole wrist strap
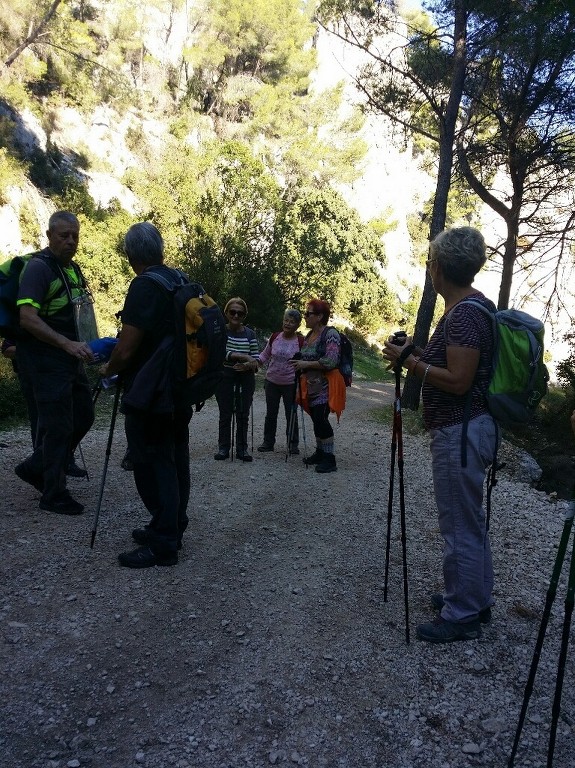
405,353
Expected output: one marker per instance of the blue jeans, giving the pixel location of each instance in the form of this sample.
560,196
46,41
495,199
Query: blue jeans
467,564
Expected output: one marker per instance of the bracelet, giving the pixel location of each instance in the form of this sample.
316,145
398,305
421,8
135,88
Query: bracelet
425,374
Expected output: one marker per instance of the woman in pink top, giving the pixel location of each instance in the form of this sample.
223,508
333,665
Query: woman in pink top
280,381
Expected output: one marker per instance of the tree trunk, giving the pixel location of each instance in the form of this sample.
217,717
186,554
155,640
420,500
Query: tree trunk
34,34
448,121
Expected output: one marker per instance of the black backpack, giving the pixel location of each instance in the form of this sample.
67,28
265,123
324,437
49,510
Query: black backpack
345,364
200,340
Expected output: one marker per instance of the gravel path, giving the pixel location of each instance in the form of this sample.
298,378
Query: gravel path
270,643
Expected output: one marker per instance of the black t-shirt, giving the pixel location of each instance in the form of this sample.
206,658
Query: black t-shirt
149,307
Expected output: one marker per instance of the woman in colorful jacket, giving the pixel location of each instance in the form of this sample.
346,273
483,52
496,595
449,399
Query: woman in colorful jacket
321,389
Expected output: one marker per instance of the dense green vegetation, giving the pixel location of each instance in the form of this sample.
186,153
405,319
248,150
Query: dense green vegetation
242,183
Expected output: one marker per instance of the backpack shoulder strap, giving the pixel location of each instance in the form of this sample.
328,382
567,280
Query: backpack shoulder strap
300,339
274,336
179,278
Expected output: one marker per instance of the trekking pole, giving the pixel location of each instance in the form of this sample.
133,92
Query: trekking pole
292,421
397,452
81,452
96,391
252,420
298,378
106,460
234,406
550,597
556,709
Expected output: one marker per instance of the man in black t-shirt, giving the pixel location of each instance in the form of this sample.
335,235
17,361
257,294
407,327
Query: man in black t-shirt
51,359
157,430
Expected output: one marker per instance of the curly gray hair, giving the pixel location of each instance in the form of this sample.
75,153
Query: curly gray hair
460,252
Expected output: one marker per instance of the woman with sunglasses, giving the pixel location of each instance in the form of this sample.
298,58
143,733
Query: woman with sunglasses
236,389
321,388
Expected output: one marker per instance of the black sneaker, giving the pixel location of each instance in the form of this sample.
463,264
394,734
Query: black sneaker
221,455
26,474
265,448
73,470
244,456
143,557
442,631
143,536
438,602
62,504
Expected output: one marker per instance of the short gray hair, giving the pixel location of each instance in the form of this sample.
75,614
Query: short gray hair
460,252
293,314
143,244
65,216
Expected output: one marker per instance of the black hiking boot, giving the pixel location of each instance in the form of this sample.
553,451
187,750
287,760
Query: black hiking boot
442,631
26,474
327,464
143,557
144,537
62,504
315,458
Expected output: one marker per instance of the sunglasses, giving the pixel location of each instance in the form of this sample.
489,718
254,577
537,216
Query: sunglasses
236,313
307,314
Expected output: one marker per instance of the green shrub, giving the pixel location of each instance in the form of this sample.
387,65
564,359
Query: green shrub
12,406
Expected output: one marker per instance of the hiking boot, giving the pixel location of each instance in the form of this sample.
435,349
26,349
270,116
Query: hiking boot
73,470
143,557
438,602
442,631
62,504
127,463
327,464
265,448
244,456
25,473
144,537
222,454
315,458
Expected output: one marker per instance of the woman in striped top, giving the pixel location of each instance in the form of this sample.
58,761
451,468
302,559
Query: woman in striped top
236,389
454,368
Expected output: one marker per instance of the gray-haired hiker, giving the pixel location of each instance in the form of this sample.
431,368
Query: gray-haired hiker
280,381
50,356
156,424
455,368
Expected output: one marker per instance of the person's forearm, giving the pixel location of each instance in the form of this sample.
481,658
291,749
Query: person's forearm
34,325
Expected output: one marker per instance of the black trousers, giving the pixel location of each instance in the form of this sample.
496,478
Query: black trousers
64,407
234,394
160,453
275,393
322,429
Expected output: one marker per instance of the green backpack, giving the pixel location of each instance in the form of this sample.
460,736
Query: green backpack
519,377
